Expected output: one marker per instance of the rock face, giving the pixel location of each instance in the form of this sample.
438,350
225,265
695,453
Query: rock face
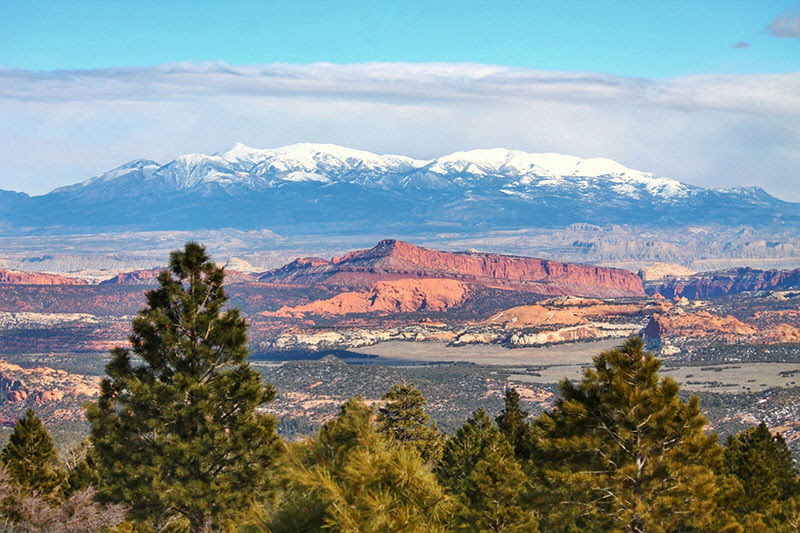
697,325
724,282
13,277
570,312
43,384
401,296
394,260
150,277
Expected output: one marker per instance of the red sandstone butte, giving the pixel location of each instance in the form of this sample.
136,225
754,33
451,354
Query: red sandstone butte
15,277
393,260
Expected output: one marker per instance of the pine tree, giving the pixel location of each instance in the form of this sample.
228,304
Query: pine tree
31,459
764,465
349,477
175,432
479,467
513,423
622,451
404,419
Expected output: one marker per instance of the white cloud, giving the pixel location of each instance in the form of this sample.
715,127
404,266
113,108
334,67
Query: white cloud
59,127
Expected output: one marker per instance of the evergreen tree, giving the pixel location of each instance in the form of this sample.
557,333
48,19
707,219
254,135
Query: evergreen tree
31,459
780,516
764,465
479,467
175,432
622,451
350,477
404,419
513,423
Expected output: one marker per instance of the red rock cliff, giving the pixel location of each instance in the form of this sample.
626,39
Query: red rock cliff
724,282
392,260
14,277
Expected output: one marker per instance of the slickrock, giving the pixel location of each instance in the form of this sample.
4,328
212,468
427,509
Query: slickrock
393,260
561,313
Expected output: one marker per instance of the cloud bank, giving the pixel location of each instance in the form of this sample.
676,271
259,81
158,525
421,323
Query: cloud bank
63,126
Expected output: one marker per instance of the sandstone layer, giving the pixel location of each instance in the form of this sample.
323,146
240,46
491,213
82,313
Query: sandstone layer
401,296
392,260
709,326
15,277
724,282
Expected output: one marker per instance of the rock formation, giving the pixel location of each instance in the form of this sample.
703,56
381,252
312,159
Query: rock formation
150,277
15,277
724,282
394,260
400,296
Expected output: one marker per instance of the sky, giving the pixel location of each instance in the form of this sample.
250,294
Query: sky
704,92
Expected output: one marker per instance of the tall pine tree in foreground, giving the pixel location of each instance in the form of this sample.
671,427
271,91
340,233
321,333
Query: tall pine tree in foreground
351,477
479,467
404,420
621,451
176,433
31,459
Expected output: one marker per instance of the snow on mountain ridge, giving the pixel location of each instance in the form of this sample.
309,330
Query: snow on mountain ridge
253,168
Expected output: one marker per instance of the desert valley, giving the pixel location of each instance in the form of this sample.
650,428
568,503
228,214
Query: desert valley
324,330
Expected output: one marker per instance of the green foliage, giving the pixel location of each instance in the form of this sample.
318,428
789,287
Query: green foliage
31,459
179,435
764,465
479,467
622,451
513,423
404,420
350,477
782,516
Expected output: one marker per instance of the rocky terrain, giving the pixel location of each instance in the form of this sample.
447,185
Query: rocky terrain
13,277
721,283
396,299
394,260
400,296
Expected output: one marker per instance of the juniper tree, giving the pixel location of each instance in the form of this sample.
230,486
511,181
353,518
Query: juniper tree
513,423
764,465
403,419
31,458
479,467
622,451
350,477
176,431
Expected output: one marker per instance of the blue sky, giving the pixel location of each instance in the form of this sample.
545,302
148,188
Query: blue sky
704,92
628,38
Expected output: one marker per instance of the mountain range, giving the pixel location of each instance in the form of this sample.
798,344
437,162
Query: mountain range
328,189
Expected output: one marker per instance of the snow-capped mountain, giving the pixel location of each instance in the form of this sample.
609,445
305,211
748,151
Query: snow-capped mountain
324,187
514,172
